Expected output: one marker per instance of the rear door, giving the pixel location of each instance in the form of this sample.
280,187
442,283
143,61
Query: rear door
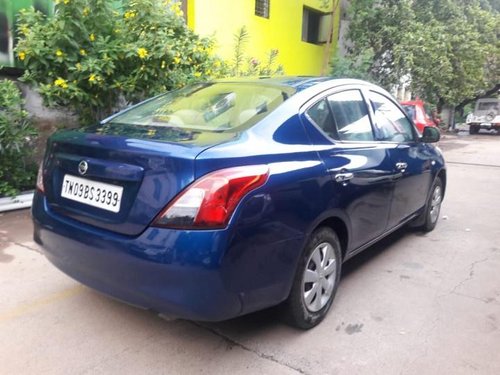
362,174
410,159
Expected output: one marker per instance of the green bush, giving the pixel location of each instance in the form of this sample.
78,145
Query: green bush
92,57
17,169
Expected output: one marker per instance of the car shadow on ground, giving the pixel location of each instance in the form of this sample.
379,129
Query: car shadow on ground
375,250
259,323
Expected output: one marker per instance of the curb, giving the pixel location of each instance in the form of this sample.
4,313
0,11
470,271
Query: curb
15,203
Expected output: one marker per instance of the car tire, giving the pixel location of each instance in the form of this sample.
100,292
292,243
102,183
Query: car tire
473,129
433,206
316,280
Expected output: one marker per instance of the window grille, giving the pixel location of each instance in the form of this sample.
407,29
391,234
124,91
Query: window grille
262,8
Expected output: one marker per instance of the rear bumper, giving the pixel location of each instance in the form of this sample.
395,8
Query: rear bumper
172,279
197,275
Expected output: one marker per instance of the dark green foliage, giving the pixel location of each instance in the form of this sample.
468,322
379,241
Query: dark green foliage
449,49
17,169
344,67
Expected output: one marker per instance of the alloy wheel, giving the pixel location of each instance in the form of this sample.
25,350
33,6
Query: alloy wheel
435,204
319,277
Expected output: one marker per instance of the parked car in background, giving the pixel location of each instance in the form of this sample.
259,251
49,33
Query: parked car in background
418,113
486,115
228,197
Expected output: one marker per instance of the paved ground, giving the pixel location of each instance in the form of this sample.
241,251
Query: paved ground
414,304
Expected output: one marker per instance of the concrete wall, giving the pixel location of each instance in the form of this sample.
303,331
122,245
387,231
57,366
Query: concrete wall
46,120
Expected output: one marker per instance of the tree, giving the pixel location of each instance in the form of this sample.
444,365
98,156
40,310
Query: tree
345,67
380,29
91,56
491,5
449,48
464,46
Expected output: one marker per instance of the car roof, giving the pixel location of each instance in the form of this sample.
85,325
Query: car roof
298,83
412,102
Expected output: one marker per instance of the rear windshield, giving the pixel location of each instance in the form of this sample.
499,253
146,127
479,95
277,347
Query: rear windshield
217,107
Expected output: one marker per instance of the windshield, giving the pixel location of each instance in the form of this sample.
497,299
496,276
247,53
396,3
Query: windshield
410,110
208,107
487,106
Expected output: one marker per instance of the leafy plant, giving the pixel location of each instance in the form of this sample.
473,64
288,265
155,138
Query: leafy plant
240,39
17,169
253,67
93,58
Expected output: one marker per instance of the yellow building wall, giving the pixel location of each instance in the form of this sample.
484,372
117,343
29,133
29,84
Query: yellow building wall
282,31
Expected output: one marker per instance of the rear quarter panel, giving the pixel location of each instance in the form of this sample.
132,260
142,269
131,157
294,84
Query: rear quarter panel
269,228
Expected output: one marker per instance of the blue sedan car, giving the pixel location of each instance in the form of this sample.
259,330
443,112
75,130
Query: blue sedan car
228,197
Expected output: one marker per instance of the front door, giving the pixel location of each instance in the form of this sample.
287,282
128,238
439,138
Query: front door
410,158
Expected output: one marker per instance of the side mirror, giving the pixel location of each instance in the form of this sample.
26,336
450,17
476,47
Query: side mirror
431,135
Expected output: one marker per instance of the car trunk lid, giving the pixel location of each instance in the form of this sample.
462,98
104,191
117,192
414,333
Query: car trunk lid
119,183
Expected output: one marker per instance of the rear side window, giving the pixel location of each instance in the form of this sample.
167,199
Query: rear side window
321,115
391,124
343,116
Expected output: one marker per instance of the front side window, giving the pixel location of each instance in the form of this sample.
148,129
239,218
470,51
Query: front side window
391,124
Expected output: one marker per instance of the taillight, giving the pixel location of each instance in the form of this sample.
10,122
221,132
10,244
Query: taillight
210,201
39,179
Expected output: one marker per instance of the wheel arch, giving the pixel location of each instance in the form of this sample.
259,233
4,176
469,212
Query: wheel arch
442,175
340,228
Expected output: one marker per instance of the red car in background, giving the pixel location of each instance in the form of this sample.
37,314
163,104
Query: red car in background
416,111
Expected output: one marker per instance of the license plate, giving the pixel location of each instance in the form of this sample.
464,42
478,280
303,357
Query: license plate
97,194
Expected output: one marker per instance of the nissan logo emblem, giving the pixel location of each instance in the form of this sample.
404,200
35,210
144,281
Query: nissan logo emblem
82,167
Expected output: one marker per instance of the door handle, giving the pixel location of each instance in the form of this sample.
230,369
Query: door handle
401,166
343,177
